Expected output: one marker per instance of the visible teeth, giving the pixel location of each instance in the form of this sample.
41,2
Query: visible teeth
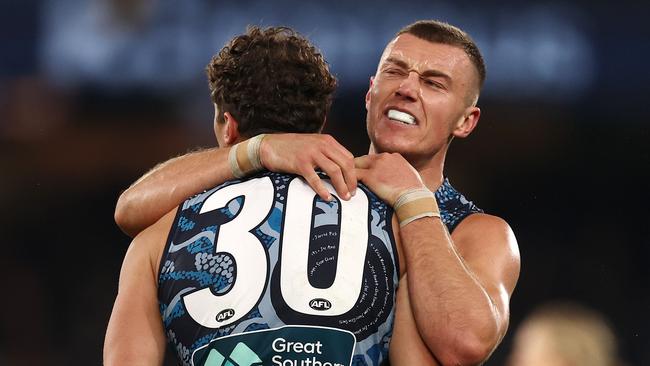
401,116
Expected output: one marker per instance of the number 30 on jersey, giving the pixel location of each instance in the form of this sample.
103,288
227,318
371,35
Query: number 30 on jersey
235,238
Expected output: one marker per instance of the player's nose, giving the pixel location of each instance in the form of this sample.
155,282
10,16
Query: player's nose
408,88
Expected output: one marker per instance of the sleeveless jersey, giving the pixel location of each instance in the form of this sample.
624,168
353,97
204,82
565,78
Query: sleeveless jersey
454,207
262,272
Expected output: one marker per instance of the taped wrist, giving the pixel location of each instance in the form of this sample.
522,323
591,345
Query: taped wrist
414,204
244,158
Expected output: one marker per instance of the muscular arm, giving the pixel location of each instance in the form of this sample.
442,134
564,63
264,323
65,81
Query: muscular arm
458,287
171,182
167,185
135,334
406,346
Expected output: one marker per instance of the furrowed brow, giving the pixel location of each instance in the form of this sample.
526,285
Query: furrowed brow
436,73
425,74
397,62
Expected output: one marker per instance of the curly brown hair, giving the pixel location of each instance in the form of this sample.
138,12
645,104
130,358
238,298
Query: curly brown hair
271,80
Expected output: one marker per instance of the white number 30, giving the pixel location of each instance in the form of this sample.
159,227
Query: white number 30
235,238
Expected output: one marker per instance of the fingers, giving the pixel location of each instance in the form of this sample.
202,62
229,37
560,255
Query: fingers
343,175
350,176
345,160
341,178
303,154
335,172
317,185
337,162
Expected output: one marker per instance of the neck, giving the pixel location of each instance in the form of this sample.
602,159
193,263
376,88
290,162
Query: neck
430,167
431,170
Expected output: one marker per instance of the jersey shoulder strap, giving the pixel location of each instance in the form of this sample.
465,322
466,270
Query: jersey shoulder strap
453,205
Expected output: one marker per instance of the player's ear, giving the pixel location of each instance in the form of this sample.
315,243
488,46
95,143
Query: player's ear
372,81
231,129
467,122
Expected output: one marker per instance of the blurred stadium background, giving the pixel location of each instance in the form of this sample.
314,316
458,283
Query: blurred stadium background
95,92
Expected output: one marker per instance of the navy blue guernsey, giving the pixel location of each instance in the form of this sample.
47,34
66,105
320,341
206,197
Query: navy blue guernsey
261,271
454,207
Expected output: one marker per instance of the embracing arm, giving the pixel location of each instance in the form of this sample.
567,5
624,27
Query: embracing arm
171,182
459,286
406,346
167,185
135,334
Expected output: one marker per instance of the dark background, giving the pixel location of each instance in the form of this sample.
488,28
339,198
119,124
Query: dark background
94,93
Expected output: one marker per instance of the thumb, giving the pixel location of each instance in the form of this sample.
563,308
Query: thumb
361,173
363,162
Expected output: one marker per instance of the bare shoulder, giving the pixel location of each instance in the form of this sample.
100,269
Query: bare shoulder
488,240
151,241
485,231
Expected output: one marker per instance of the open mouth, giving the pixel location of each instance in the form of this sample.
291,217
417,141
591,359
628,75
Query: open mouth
399,116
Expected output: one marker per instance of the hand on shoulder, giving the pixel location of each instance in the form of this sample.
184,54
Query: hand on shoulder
303,154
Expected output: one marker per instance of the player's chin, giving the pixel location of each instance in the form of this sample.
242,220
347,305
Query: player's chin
394,144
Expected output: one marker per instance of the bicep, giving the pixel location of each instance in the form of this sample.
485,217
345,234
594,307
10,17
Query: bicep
135,333
489,249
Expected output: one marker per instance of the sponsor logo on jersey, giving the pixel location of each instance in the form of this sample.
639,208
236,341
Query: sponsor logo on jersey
285,346
241,355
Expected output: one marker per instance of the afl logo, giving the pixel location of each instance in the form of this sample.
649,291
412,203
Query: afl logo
320,304
225,315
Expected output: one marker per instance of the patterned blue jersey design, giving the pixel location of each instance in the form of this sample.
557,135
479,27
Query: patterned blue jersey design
454,207
193,261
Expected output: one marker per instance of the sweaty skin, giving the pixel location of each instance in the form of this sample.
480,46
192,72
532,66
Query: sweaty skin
458,286
427,69
434,83
135,313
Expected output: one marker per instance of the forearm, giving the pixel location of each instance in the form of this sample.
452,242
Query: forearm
454,313
167,185
132,341
406,346
135,333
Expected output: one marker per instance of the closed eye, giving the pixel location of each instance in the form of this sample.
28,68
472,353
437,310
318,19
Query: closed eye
431,83
393,71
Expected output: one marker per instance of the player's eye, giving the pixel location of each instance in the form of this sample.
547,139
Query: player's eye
394,72
431,83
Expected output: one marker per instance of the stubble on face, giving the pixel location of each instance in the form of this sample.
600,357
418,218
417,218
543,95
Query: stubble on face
429,80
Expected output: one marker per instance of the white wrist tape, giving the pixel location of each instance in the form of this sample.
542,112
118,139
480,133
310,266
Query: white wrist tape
244,158
414,204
